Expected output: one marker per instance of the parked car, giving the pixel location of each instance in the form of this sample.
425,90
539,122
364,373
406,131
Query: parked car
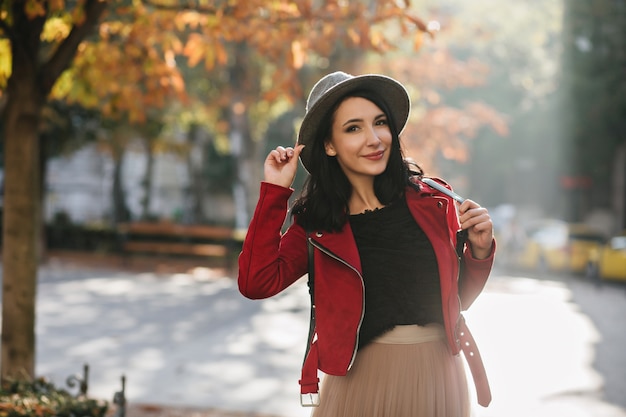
556,245
609,261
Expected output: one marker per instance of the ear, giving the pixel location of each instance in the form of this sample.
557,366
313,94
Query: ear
330,149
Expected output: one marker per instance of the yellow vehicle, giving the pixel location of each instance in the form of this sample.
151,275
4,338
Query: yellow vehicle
558,246
609,261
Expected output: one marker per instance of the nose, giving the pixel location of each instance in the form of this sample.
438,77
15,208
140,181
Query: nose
372,137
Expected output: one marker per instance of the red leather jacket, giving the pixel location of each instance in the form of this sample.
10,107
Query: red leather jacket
270,262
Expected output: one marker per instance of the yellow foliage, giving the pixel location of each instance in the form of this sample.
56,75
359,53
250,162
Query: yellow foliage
209,60
63,85
418,40
194,50
297,53
354,36
131,66
172,44
35,8
5,62
56,29
220,53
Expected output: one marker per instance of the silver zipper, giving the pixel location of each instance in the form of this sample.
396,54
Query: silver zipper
335,257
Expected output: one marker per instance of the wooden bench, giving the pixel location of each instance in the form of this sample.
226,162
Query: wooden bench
166,238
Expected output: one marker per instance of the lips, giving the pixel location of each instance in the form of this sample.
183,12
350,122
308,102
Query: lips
374,156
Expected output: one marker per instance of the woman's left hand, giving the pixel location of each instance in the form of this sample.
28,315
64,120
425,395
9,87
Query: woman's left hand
476,220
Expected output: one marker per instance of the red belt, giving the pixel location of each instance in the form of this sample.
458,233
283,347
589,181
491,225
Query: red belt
475,362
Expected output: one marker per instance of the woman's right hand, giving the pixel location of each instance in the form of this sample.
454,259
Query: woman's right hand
281,165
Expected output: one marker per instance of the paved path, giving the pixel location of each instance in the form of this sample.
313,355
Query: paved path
539,351
191,340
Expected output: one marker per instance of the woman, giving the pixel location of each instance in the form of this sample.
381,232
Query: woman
388,293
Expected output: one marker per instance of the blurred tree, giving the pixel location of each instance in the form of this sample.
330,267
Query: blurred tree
439,128
514,49
27,87
128,67
594,102
118,138
556,70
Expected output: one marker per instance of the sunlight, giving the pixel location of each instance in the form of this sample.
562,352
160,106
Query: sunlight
537,347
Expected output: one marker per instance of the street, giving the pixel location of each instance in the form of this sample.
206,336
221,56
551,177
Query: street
605,305
552,346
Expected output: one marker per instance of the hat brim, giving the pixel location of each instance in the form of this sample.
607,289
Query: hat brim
390,91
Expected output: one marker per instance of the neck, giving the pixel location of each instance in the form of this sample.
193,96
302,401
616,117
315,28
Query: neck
362,199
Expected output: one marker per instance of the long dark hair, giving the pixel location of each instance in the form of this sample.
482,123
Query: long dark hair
323,203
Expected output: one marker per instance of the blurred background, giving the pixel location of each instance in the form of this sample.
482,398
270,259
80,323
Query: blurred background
518,106
134,133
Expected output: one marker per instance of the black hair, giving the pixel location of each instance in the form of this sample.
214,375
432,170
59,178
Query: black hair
323,203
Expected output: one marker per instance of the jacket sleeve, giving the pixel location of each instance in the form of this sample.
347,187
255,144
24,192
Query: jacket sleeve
474,274
270,261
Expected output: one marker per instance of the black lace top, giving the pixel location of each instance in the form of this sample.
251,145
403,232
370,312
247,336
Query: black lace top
399,271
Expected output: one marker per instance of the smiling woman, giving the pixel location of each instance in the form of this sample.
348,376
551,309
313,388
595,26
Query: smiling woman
360,145
382,250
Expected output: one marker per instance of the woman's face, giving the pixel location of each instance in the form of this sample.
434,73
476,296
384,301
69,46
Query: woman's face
360,138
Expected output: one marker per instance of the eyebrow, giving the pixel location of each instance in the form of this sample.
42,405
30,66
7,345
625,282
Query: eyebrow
382,115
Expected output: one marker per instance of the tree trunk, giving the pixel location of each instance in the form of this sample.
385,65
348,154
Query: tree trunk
27,89
44,153
147,181
120,210
245,185
196,160
21,221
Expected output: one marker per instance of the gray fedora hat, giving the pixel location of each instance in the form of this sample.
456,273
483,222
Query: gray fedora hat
337,85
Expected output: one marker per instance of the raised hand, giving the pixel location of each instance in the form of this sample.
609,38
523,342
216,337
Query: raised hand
281,165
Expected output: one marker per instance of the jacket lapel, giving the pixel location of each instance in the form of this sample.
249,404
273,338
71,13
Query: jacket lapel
340,244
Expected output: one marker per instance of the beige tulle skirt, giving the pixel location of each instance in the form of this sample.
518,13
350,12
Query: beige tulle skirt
408,372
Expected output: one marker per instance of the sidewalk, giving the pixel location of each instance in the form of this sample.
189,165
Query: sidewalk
539,351
190,344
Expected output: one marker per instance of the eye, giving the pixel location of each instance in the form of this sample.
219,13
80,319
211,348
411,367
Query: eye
381,122
352,128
